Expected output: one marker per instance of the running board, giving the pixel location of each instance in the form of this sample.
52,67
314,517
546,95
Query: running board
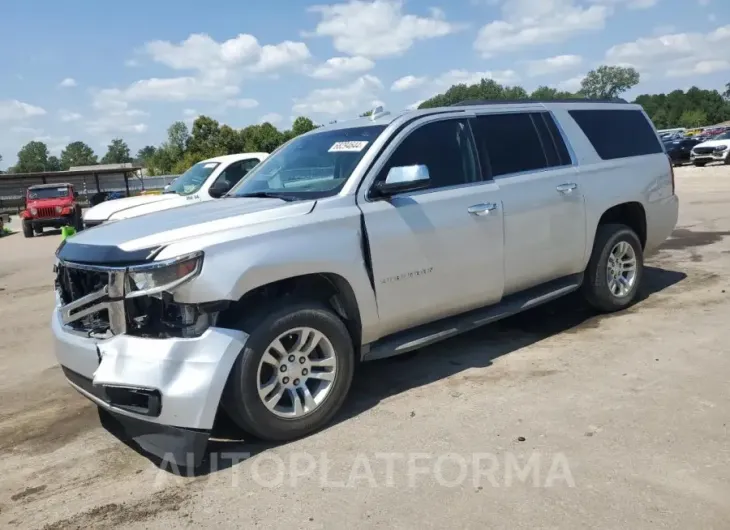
427,334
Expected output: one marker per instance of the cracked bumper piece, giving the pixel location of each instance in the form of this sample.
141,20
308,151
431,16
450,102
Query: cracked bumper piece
162,393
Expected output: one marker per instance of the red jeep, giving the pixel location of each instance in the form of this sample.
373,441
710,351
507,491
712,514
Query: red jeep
50,205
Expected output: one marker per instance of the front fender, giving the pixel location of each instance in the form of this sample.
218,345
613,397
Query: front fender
331,246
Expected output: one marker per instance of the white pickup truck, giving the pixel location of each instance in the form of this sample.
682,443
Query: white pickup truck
206,180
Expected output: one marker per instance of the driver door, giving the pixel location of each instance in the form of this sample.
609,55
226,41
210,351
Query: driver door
437,251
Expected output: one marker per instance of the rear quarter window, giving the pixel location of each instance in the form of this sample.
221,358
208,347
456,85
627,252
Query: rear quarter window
619,133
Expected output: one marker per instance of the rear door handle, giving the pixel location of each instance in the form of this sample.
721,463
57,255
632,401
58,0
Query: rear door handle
482,209
567,188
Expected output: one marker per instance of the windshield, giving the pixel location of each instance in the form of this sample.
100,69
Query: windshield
48,193
723,136
311,166
193,179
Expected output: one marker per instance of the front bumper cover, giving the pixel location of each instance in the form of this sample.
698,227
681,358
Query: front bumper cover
188,374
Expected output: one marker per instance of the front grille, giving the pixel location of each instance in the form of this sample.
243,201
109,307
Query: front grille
704,150
91,299
46,212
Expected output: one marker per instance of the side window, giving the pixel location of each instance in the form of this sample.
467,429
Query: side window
444,147
511,143
561,149
236,171
617,133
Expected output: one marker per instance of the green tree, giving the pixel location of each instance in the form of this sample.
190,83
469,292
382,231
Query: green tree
726,94
178,137
54,164
303,125
145,154
205,137
608,82
693,118
670,110
77,154
32,157
117,152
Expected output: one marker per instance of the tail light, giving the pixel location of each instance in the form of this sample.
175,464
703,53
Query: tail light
671,172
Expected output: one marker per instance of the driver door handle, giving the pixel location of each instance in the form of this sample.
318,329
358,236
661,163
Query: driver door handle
482,209
567,188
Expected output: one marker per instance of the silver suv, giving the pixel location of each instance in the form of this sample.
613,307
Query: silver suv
356,241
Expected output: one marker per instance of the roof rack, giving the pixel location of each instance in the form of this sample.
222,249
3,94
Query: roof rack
525,101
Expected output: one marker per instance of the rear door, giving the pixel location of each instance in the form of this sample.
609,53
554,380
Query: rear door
437,251
544,208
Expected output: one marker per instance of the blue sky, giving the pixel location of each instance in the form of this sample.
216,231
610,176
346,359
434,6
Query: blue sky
82,70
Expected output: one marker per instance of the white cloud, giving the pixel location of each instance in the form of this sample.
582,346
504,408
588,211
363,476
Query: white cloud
675,55
529,23
68,83
116,120
190,112
572,84
415,104
552,65
631,4
272,118
14,110
67,115
378,28
224,59
244,103
703,2
407,83
352,98
337,67
131,63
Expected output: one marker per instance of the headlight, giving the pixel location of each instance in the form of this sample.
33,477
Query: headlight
33,211
59,209
162,276
720,147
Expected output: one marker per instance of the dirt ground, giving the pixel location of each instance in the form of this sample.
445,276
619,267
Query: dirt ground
557,418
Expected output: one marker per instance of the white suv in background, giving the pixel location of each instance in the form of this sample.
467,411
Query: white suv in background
206,180
715,150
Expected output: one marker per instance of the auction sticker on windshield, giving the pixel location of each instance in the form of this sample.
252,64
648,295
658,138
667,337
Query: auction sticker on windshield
349,147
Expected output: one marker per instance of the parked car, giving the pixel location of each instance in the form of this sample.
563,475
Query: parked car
425,224
206,180
50,206
679,150
714,150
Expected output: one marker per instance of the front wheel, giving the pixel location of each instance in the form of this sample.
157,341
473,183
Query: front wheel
615,269
293,373
27,228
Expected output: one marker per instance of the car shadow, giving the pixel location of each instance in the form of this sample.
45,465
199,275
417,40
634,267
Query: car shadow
54,232
378,380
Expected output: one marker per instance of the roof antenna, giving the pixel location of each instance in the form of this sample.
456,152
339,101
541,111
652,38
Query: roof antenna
378,112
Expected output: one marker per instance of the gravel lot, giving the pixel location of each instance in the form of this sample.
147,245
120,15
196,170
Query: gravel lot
553,419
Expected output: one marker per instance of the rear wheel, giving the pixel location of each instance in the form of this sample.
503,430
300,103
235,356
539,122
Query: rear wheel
27,228
615,270
293,373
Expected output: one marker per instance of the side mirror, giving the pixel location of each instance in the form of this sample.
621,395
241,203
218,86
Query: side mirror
403,178
219,188
76,195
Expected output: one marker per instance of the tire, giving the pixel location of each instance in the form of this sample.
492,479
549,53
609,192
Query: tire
596,287
241,399
700,164
28,229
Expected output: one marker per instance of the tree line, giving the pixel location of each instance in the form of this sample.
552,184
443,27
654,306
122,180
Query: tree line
207,138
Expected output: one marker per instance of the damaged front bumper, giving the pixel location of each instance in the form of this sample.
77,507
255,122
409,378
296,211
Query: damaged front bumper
161,393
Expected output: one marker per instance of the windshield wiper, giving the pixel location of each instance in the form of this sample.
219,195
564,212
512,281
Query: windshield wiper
267,195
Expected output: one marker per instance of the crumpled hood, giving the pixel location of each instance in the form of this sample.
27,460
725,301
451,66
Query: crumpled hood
713,143
131,206
177,224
